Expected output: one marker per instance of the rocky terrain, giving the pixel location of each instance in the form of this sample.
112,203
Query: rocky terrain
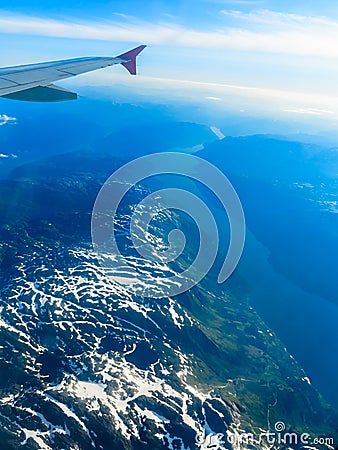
86,363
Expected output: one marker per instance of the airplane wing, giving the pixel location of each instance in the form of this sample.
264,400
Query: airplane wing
34,82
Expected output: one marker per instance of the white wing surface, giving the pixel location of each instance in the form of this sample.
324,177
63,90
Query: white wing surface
34,82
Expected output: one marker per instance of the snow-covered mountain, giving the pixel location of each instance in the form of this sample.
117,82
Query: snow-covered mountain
88,364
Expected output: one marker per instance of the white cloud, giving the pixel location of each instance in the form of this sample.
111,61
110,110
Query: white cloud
229,96
282,20
263,31
5,155
214,99
310,111
4,119
238,2
217,132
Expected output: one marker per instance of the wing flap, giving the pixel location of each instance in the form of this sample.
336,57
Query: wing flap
50,93
4,83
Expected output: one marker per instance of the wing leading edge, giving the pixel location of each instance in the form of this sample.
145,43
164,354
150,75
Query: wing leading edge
34,82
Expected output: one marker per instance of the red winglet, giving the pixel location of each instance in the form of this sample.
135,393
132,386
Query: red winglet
130,65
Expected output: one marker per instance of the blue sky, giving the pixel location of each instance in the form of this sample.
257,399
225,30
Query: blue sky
260,52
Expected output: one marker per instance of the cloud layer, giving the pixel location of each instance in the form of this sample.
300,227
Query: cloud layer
262,31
